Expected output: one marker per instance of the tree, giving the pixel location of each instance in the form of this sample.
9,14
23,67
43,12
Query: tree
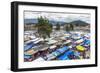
67,27
44,28
57,26
51,25
72,26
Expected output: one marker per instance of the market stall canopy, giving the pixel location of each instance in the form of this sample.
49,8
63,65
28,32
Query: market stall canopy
67,42
40,47
26,33
33,40
63,38
30,52
70,46
28,42
47,39
43,48
76,37
76,53
51,42
53,55
65,56
67,35
32,37
27,47
39,40
53,46
36,46
50,56
27,56
63,49
80,48
86,42
56,53
79,41
87,35
77,32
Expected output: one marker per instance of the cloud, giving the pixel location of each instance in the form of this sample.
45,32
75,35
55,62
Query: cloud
66,17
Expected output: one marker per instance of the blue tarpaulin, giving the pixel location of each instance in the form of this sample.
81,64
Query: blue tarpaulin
77,53
27,47
63,49
56,53
59,51
29,43
86,42
27,56
65,56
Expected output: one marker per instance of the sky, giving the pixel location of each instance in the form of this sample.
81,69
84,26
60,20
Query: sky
65,17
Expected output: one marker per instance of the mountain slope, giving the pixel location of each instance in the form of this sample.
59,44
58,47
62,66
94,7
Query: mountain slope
79,23
54,22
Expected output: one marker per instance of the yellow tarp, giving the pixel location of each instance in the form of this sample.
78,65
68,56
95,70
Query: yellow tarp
80,48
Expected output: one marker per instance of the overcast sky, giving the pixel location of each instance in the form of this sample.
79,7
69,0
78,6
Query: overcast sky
66,17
